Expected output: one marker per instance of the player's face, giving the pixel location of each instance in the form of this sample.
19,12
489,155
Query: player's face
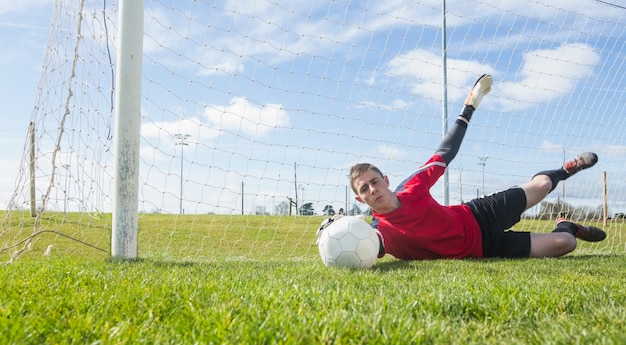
373,189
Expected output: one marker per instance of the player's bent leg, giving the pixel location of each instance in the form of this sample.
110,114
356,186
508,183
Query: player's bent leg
536,189
551,245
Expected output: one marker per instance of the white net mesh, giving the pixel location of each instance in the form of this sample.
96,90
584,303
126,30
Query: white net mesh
260,108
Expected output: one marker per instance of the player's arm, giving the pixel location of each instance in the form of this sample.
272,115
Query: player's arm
451,143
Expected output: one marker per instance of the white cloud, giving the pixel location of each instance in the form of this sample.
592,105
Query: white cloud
423,67
12,6
282,32
242,116
396,104
224,67
391,152
550,146
543,75
165,130
238,116
548,73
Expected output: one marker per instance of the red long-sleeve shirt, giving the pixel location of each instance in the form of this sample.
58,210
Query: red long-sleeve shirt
421,228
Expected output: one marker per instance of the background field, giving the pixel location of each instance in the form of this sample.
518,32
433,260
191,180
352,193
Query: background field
261,290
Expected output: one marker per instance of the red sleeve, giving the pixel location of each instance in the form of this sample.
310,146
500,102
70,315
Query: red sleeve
427,175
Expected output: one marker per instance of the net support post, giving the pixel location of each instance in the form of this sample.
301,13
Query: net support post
127,130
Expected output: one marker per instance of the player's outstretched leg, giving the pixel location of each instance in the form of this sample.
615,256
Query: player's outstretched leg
539,186
585,233
580,162
480,89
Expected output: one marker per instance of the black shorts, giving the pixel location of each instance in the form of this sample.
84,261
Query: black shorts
496,214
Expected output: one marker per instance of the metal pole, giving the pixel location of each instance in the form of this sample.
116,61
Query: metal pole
33,190
182,159
295,185
563,183
482,162
127,130
67,171
461,185
345,211
605,204
301,199
444,120
181,139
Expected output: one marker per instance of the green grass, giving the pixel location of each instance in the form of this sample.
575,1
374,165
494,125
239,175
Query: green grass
227,292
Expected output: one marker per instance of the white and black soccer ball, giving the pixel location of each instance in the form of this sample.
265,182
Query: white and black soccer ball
348,242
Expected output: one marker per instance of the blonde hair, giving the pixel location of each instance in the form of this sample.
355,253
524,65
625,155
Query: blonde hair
359,169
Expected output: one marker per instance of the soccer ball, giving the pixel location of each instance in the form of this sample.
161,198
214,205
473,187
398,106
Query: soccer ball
349,242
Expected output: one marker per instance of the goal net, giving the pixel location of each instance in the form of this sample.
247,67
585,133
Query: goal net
252,113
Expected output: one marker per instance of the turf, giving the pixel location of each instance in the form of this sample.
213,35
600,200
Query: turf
286,296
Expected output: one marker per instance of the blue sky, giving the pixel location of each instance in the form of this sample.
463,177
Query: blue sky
260,86
24,28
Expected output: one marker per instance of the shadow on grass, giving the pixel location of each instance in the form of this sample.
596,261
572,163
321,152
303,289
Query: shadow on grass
387,264
591,257
156,263
395,264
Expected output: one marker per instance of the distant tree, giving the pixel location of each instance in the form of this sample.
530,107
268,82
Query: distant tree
356,210
307,209
282,208
329,211
260,210
553,210
587,212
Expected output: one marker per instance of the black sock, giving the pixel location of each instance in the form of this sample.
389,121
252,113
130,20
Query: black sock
555,176
568,227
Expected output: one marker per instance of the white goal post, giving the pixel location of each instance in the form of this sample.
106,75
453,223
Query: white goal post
127,130
201,110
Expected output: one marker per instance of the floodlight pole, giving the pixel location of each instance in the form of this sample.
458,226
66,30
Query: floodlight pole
301,199
32,175
482,162
348,187
67,172
181,139
563,182
444,103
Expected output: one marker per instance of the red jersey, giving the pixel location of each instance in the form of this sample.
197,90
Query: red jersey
421,228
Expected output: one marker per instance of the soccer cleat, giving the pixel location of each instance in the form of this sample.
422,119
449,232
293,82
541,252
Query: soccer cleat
580,162
585,233
480,89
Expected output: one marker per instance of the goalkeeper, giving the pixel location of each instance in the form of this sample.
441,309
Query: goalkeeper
413,226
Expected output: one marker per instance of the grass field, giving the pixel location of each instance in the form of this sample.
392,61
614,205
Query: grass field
258,280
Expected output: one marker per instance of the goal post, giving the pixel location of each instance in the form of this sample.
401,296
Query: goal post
124,237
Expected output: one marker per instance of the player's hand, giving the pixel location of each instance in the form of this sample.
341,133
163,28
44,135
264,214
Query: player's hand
480,89
325,223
